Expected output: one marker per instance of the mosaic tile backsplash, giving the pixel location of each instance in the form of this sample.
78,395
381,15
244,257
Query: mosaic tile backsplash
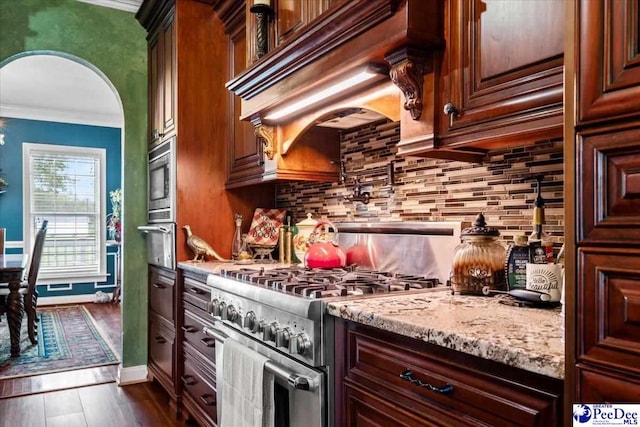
503,187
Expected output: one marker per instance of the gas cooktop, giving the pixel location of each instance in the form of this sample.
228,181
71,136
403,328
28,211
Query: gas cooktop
321,283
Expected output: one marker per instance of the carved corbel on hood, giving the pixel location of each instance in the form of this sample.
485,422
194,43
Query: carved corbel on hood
267,135
407,73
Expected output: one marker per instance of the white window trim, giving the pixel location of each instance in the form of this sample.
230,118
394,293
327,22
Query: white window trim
29,236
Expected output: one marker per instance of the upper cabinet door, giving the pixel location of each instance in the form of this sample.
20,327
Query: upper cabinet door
162,81
156,88
502,66
609,59
169,77
292,15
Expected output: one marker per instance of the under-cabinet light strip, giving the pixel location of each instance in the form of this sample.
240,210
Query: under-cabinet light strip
319,96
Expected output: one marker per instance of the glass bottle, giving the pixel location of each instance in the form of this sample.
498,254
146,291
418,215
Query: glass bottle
540,245
236,243
516,263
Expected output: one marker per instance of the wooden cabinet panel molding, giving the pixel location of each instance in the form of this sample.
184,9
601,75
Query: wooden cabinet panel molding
608,60
609,306
609,188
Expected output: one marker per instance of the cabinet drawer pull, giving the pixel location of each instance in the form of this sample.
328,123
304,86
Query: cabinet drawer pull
187,380
160,340
208,341
190,329
159,286
407,375
208,399
197,291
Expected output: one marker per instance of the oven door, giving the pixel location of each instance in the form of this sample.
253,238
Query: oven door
299,391
161,244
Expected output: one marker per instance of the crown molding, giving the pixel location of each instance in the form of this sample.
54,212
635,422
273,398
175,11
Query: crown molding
49,115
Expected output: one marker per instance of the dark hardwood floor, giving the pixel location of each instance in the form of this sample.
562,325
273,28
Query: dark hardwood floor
85,397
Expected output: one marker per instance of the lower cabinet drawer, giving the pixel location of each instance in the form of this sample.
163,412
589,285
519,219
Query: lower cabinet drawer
609,335
199,386
447,389
597,385
366,409
193,334
161,348
162,293
197,293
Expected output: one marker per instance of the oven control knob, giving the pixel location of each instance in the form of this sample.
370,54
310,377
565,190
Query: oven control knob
216,307
270,332
250,321
231,314
282,337
300,344
259,327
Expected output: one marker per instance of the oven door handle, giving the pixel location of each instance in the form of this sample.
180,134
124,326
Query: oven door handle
297,381
153,229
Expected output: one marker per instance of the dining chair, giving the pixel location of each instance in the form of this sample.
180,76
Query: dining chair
28,288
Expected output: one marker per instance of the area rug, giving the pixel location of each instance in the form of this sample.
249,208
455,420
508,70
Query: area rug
68,338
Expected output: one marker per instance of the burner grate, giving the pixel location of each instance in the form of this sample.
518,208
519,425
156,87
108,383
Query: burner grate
337,282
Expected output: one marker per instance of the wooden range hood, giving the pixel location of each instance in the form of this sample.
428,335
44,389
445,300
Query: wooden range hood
395,37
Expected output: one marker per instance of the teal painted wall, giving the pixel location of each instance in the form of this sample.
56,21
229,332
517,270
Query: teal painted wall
19,131
115,43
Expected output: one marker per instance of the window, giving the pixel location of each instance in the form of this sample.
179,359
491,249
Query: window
66,185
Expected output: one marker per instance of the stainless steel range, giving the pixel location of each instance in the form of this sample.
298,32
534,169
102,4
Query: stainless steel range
279,311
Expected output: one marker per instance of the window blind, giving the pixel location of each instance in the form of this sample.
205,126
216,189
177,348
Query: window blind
65,188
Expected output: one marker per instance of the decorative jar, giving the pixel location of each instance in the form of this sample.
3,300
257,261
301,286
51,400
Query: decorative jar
478,262
305,228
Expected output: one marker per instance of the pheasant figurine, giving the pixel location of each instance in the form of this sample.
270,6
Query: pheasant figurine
199,247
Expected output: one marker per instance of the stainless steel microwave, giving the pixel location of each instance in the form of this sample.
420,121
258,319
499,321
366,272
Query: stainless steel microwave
162,182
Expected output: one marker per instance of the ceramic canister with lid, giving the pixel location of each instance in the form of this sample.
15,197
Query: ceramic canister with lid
478,262
305,228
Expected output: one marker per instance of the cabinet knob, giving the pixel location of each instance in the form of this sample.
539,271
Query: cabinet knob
188,380
451,111
208,399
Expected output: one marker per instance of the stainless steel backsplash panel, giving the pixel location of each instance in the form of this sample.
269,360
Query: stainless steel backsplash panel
424,248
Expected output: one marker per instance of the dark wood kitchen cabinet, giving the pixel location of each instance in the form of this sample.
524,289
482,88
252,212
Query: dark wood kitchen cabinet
466,390
602,229
162,360
198,54
246,150
255,156
162,82
198,353
499,78
609,61
289,17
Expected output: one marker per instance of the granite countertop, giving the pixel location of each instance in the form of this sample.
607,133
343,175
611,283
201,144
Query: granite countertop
523,337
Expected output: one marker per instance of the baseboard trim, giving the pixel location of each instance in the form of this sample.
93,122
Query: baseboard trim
132,375
68,299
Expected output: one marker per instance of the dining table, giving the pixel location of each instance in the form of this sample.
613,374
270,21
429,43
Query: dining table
12,268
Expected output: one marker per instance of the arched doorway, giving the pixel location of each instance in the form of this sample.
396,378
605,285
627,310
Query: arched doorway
50,93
